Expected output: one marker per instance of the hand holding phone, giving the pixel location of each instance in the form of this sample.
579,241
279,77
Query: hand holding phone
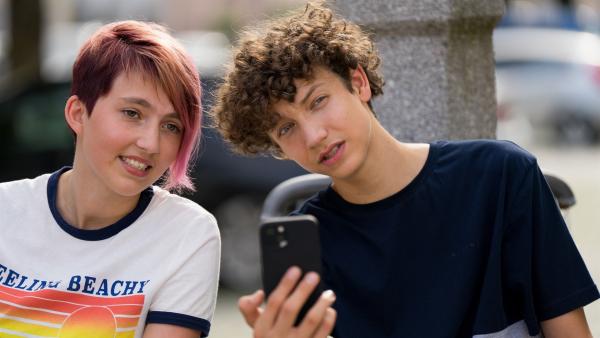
290,241
286,242
276,318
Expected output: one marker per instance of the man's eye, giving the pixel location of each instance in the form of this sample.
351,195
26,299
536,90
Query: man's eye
285,129
318,101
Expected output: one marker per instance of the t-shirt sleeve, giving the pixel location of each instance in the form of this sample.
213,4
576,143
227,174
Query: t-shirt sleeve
542,267
188,297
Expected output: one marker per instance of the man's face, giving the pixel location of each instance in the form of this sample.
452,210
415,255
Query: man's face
130,138
327,128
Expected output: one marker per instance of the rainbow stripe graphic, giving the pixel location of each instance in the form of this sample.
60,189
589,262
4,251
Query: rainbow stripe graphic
61,314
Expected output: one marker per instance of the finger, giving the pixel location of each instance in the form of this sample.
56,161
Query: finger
327,325
250,306
315,317
292,306
279,296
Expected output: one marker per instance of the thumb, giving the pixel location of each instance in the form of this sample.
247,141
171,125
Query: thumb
249,306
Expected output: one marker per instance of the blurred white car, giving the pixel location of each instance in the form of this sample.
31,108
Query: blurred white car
551,78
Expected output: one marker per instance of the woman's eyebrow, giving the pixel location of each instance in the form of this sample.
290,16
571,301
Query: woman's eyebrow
144,103
137,100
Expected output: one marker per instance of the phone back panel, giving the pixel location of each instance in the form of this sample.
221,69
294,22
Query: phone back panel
288,241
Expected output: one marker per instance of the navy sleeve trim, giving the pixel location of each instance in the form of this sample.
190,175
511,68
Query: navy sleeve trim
178,319
575,301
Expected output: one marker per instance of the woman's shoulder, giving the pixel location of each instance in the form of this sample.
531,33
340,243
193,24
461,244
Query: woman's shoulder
25,187
172,208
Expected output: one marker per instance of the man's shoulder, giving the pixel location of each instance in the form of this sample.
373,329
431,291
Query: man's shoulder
489,153
312,202
485,146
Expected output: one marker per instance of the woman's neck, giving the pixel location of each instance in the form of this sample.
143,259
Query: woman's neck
87,206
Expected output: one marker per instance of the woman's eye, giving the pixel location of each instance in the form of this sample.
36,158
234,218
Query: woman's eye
131,113
172,127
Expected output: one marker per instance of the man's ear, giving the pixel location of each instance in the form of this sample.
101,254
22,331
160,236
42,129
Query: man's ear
75,112
277,153
280,156
360,83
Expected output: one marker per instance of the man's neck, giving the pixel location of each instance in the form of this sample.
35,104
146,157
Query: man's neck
389,167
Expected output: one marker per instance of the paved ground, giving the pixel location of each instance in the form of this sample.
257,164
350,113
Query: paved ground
580,167
228,322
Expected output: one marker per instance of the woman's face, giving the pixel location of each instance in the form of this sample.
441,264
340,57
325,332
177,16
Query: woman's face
130,138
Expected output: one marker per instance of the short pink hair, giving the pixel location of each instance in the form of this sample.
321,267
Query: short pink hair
130,46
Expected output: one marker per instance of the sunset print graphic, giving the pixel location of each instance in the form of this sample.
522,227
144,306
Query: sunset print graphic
61,314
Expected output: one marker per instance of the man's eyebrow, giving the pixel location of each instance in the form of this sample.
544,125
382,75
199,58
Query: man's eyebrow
309,93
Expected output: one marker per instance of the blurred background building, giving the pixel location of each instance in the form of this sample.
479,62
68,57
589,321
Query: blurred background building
548,93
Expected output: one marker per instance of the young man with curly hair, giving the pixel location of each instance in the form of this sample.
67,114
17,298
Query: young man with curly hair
446,239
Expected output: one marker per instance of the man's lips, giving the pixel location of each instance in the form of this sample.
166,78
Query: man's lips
330,153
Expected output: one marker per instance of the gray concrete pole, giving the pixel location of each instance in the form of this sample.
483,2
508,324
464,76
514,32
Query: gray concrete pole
438,65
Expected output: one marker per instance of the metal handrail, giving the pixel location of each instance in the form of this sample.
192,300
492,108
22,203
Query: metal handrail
285,196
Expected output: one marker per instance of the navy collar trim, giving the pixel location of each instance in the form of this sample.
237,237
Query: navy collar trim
97,234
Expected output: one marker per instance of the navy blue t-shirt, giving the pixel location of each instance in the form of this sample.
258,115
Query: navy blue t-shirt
475,244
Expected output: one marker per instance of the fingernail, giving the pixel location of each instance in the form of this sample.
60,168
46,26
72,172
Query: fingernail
328,294
292,273
311,278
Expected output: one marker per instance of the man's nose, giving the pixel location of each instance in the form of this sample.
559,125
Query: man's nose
314,134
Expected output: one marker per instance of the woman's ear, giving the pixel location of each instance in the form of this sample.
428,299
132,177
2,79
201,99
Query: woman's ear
360,83
75,112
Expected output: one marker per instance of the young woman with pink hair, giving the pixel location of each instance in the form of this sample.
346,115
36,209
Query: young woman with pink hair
103,248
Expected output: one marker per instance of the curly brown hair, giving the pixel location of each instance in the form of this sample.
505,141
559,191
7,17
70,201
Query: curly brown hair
269,58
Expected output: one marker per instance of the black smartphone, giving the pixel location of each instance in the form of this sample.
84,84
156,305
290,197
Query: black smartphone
290,241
